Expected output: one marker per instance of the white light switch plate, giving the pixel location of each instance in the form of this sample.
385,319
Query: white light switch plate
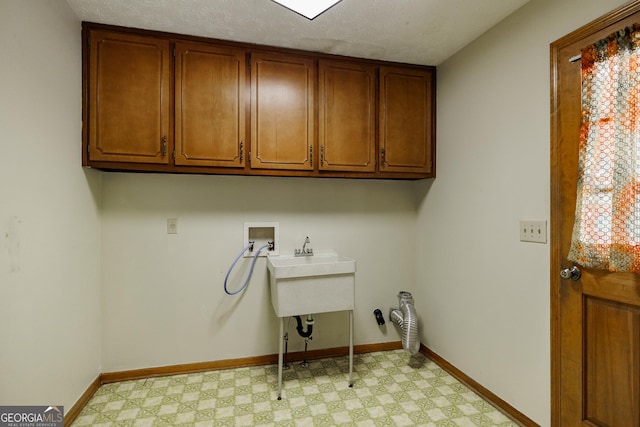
533,231
172,225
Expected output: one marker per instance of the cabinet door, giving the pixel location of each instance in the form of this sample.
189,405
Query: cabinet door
346,116
128,98
406,120
282,111
210,105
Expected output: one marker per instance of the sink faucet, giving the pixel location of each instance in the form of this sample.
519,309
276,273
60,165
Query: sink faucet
304,251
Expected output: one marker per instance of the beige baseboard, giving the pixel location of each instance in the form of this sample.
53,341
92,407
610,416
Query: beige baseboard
111,377
73,413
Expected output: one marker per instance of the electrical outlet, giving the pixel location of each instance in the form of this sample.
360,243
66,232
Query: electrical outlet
172,225
533,231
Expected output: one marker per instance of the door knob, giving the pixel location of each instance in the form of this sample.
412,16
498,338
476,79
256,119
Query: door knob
572,273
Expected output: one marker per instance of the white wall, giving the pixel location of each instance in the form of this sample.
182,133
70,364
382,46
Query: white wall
49,214
483,295
162,295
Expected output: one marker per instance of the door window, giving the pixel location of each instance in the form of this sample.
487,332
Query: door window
606,233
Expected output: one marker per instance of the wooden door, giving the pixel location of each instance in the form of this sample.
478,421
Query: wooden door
210,105
282,111
407,126
346,131
595,320
128,98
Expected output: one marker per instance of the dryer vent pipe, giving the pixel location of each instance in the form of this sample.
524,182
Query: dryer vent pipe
406,318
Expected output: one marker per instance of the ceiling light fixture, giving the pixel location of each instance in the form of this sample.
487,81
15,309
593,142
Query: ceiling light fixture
308,8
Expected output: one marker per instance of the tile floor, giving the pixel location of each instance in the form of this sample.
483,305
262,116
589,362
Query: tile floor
391,389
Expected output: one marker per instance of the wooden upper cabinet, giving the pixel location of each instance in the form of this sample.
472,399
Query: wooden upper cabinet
282,111
346,131
129,99
171,103
209,105
406,123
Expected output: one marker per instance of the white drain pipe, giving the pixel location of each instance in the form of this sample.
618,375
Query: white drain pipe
407,319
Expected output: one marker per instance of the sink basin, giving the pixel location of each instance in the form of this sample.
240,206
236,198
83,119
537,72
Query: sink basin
320,283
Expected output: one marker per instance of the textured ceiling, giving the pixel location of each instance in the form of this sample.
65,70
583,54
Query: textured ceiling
412,31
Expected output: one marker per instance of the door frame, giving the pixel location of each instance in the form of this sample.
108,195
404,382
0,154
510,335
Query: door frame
556,257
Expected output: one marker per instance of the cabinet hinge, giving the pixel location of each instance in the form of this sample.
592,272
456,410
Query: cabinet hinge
174,52
88,148
174,154
249,157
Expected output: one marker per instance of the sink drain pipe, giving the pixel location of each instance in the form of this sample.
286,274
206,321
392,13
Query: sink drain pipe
300,328
407,319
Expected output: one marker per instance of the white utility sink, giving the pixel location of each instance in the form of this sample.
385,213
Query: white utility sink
313,284
320,283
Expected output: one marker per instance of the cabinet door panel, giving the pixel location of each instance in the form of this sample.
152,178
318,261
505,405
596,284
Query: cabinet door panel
346,116
128,98
282,112
210,105
406,120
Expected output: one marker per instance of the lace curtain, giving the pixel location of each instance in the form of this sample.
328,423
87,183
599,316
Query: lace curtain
606,233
